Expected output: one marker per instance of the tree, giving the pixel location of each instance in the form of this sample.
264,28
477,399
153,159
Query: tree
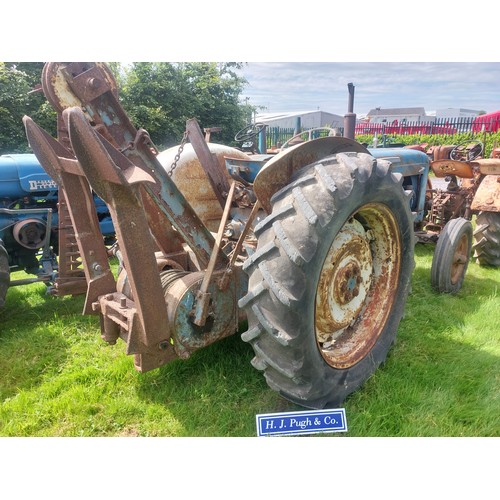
161,96
18,98
158,96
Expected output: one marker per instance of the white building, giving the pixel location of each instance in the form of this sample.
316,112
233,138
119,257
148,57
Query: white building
308,119
399,115
456,113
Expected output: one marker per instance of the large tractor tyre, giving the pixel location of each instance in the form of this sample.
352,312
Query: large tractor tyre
4,273
329,278
451,256
487,239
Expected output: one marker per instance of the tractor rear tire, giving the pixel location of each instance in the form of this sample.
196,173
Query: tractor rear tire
487,239
451,256
329,278
4,274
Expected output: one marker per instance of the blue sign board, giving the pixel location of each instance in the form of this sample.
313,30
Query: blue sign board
301,422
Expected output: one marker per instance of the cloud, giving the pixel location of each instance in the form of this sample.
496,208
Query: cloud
298,86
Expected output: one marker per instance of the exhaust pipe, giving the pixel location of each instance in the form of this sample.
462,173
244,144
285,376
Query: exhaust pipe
350,116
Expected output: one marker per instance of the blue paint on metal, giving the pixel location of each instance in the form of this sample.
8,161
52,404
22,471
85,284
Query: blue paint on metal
220,322
301,422
247,169
414,165
22,174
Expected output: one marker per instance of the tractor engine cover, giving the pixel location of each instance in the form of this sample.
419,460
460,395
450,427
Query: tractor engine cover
192,180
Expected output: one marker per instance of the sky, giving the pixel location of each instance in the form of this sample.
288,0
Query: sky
307,86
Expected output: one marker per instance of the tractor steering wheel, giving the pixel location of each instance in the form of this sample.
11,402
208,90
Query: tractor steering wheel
467,151
249,132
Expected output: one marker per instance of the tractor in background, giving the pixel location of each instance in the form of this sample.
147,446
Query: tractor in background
36,235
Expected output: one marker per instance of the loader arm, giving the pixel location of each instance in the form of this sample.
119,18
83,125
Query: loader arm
61,165
91,87
150,308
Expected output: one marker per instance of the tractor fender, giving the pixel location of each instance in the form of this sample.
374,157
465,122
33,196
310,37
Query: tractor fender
487,197
277,172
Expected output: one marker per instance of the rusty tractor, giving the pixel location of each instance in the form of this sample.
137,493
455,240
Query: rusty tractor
471,188
312,248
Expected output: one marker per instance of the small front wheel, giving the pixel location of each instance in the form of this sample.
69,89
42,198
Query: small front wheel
451,257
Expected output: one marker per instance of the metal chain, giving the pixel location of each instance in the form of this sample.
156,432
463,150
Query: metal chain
179,152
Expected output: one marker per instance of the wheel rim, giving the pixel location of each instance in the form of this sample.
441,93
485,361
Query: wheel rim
357,285
459,259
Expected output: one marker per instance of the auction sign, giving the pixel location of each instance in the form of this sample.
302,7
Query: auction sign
301,422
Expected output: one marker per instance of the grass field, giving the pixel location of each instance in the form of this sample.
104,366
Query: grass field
58,378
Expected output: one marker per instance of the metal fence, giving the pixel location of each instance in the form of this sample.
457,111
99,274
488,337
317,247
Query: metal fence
439,126
277,136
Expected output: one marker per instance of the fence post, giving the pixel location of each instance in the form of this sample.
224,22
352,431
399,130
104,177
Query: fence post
263,141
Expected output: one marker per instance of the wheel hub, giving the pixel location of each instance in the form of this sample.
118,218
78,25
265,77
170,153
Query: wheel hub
344,280
356,286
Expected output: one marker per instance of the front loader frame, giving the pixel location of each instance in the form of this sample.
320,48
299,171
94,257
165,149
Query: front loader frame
154,222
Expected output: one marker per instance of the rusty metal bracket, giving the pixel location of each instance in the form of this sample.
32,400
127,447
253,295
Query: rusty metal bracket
203,297
117,181
62,166
216,175
64,85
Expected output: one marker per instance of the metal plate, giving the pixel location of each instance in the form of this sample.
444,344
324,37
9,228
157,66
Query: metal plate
277,172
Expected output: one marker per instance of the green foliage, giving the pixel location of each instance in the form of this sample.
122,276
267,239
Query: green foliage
158,97
17,82
161,97
490,140
58,378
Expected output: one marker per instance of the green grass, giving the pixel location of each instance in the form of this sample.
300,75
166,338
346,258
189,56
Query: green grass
58,378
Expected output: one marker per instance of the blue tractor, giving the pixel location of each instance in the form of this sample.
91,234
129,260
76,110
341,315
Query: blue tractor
30,225
311,249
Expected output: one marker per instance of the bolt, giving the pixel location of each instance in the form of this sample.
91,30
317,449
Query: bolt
94,83
164,345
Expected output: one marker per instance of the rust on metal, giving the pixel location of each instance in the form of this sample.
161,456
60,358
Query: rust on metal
459,260
439,152
488,166
216,173
487,196
223,313
192,181
203,297
62,83
63,167
277,172
443,168
357,283
71,278
146,328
